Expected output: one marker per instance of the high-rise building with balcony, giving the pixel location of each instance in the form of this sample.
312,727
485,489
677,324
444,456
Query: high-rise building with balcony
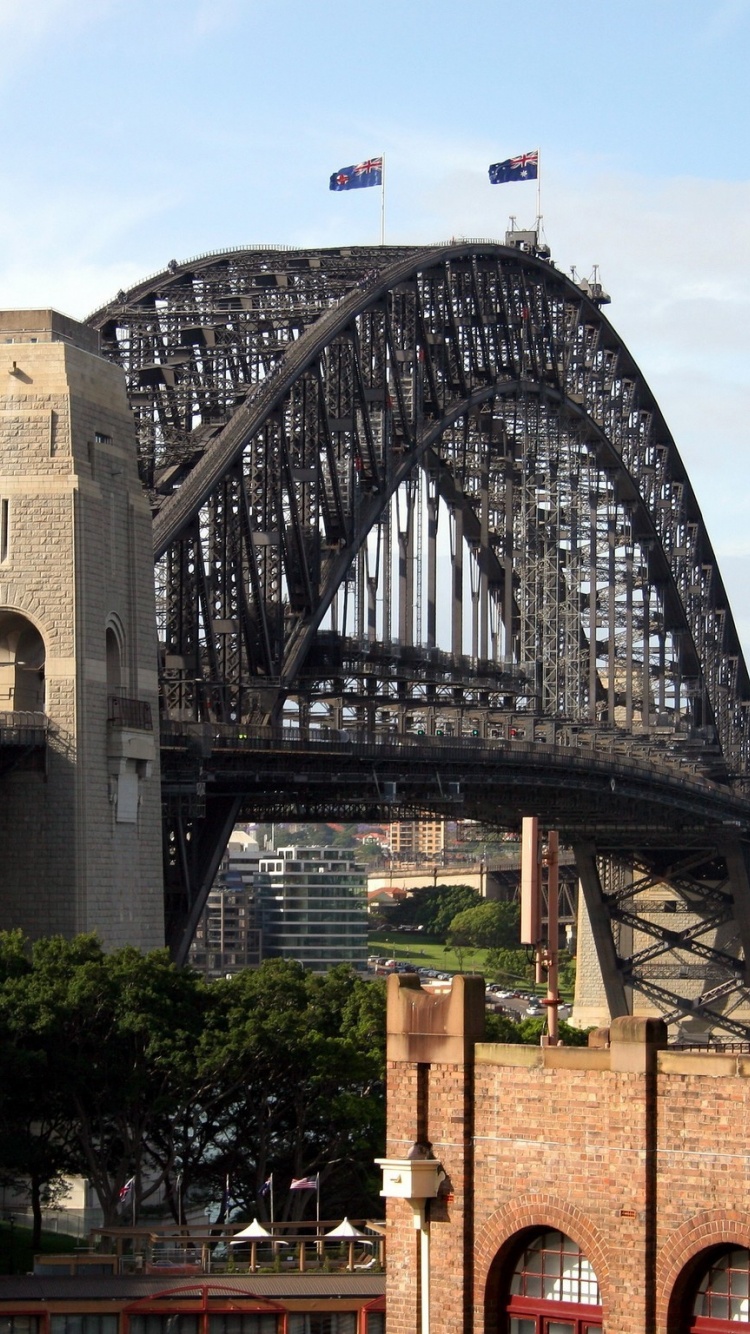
312,906
412,839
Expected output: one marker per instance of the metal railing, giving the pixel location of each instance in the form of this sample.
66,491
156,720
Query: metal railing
129,713
23,728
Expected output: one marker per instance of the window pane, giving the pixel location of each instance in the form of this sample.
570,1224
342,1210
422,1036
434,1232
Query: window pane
73,1323
236,1323
553,1267
725,1288
162,1324
343,1322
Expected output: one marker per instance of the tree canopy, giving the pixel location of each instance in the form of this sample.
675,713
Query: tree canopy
124,1066
433,907
121,1067
491,925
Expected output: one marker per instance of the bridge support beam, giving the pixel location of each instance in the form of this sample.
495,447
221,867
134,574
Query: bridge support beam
601,930
196,862
737,858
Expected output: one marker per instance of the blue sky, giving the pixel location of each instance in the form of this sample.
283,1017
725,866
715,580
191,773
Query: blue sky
136,132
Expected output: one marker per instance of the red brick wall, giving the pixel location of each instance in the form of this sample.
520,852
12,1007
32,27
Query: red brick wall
636,1153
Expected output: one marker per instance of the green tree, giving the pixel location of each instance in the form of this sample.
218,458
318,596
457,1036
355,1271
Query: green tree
492,925
509,966
34,1130
296,1064
116,1036
433,907
530,1032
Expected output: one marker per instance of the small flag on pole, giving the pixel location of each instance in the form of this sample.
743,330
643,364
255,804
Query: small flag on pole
304,1183
126,1189
523,168
365,173
267,1186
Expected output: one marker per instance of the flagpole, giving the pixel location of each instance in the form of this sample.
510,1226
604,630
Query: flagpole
539,190
319,1247
382,202
272,1217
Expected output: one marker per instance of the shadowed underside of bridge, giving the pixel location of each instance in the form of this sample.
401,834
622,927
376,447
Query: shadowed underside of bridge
424,543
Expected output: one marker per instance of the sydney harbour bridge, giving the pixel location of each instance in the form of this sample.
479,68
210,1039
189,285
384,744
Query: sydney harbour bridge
423,543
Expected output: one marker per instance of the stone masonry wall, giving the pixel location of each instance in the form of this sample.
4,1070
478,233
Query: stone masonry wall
79,554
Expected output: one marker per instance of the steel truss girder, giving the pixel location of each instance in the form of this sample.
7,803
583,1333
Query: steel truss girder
297,414
682,949
394,340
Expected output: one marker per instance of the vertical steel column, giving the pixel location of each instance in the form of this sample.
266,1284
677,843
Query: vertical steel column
611,614
432,525
646,665
552,862
387,575
475,577
592,607
629,638
508,565
457,566
483,554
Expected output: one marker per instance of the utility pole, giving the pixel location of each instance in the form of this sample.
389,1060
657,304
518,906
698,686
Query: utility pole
540,861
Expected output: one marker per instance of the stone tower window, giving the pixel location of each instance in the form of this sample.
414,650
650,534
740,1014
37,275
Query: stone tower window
4,530
114,661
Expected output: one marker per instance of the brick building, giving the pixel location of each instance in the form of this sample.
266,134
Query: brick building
566,1190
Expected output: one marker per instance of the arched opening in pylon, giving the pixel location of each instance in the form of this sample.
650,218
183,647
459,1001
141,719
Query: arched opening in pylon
22,662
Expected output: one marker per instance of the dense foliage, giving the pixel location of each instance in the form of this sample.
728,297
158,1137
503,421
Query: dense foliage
121,1066
432,907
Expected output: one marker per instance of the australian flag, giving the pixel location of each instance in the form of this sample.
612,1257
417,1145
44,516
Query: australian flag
523,168
356,178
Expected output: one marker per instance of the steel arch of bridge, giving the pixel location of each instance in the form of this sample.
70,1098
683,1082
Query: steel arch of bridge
424,499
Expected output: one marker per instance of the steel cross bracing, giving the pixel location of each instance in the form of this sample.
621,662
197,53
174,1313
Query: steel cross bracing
405,495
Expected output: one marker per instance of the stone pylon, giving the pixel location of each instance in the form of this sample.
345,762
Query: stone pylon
80,819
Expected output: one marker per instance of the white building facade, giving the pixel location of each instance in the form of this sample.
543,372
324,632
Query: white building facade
312,906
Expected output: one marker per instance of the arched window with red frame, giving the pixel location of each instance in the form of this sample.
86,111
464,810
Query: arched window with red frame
553,1289
722,1294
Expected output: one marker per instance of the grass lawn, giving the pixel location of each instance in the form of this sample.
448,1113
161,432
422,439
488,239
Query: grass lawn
16,1253
425,952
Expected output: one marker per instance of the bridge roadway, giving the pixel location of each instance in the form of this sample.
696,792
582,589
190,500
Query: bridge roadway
686,831
287,774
